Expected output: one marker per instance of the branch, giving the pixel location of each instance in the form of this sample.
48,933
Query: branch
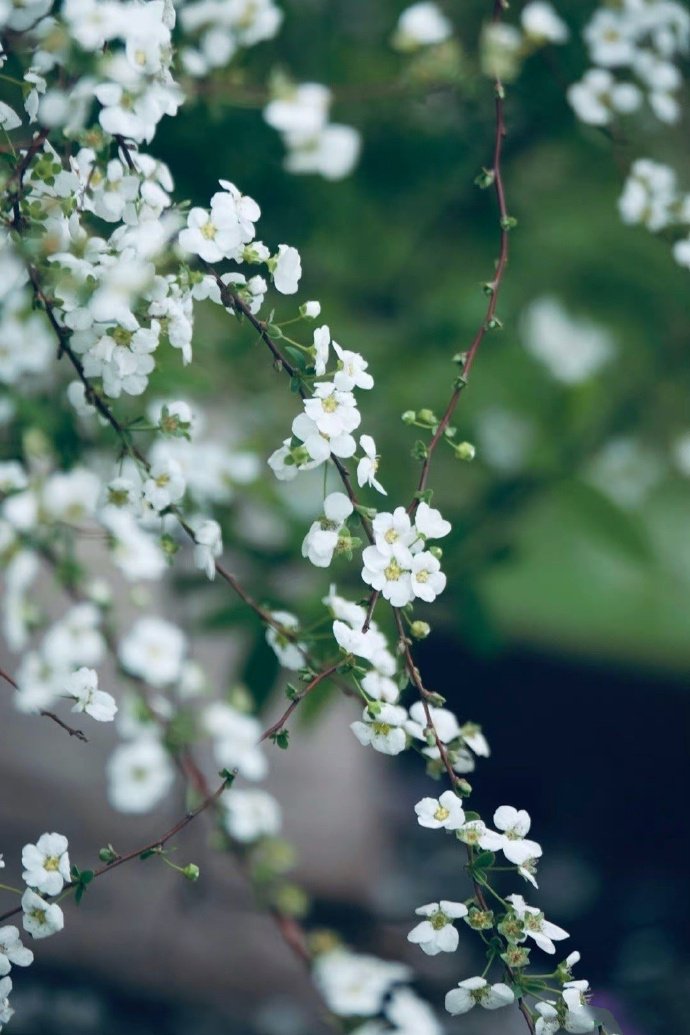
48,715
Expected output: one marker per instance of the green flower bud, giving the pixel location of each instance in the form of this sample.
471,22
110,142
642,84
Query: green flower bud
420,630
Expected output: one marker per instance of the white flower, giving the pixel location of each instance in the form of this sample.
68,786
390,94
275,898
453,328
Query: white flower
384,731
610,37
444,721
394,535
548,1022
380,687
311,309
354,985
323,537
9,119
287,269
46,864
322,341
140,774
445,812
165,484
681,252
290,652
578,1018
410,1014
437,933
420,25
542,24
368,466
476,833
514,843
208,544
542,931
12,952
318,445
571,349
385,574
6,1011
153,649
83,686
597,97
303,110
333,411
427,578
352,370
331,152
41,918
213,235
429,522
353,641
235,740
250,815
477,991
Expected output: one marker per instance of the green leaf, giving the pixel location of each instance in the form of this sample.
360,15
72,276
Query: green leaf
484,860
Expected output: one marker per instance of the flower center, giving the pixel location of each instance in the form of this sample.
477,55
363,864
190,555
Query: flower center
51,864
438,920
441,813
329,404
422,576
393,571
208,230
381,728
391,535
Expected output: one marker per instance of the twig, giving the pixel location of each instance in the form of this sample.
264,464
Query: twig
46,714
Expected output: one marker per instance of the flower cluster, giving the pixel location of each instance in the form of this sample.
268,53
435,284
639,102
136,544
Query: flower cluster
300,113
642,41
651,197
46,873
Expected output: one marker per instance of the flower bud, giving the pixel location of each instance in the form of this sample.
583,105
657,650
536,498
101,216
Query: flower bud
465,451
191,871
310,310
409,417
420,630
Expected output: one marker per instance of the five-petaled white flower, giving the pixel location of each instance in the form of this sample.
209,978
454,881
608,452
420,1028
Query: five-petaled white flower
46,864
476,991
437,933
321,541
514,825
542,931
383,731
41,918
445,812
213,235
82,685
333,411
12,952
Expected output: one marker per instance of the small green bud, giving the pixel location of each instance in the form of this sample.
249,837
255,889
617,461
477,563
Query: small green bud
191,872
435,700
485,179
436,551
168,545
463,788
465,451
420,630
460,358
508,223
409,417
427,416
419,450
108,854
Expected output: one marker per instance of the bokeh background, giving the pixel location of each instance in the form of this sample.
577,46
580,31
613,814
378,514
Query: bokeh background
565,627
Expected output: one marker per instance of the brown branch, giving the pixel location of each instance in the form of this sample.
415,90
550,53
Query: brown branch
319,678
46,714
